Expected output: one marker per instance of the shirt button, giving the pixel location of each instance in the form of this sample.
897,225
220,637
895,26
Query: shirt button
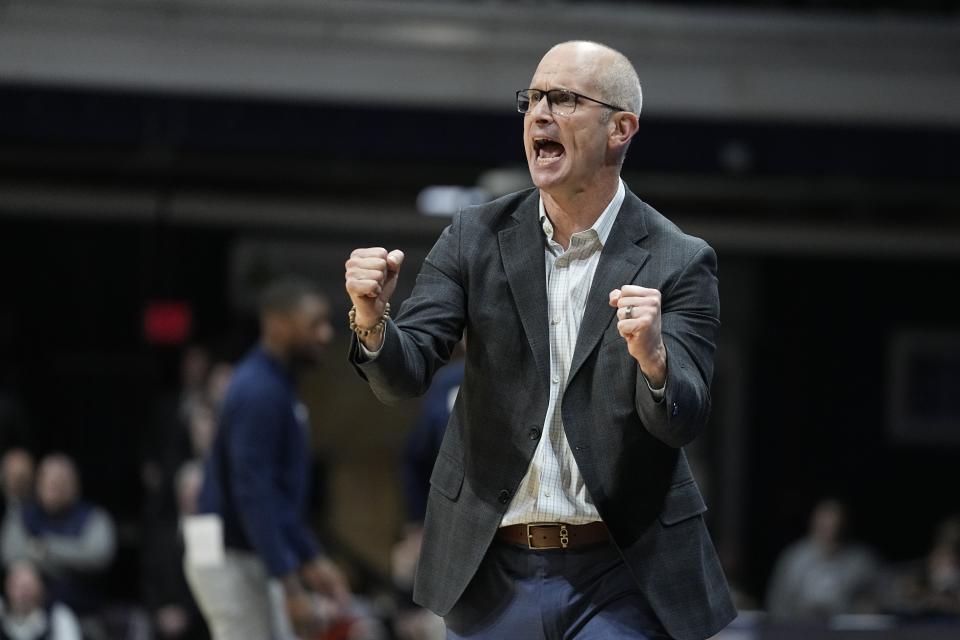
556,320
546,494
556,379
533,434
504,496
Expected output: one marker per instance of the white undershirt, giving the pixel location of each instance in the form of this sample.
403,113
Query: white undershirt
553,489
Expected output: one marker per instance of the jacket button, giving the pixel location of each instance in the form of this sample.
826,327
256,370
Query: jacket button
504,496
534,433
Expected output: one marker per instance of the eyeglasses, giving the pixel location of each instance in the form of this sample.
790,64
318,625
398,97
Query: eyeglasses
562,102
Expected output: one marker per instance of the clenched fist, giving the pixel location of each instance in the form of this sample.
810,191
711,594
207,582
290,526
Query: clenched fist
371,278
638,321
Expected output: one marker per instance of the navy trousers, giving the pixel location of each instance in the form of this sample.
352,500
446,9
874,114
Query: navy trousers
555,594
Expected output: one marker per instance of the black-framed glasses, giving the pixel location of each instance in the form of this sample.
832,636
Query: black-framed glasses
562,102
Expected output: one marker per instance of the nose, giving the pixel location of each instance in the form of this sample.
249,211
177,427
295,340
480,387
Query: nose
541,110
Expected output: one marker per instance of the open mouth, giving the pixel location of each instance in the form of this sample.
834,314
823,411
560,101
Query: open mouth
547,150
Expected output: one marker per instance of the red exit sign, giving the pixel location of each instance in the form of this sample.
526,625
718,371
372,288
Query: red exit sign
167,322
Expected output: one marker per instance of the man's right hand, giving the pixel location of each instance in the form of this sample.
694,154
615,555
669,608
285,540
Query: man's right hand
371,278
324,577
302,611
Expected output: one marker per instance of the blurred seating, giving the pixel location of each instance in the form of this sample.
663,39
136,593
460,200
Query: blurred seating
825,573
72,541
928,587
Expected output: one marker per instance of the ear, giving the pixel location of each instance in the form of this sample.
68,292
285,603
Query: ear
623,126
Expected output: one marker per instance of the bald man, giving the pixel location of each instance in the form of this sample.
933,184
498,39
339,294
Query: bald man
561,504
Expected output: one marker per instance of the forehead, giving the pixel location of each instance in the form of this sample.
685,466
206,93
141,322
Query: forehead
311,305
568,67
56,470
16,459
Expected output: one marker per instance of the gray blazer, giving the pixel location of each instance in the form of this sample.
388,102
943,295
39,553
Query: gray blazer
486,275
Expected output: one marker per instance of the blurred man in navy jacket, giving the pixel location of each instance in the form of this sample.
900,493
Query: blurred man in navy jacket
257,477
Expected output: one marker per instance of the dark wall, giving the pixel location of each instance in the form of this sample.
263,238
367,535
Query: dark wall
819,402
73,300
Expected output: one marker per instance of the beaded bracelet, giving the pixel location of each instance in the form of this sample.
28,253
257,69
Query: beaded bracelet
363,333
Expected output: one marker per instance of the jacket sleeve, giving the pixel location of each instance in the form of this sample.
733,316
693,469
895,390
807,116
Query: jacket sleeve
690,324
264,511
429,325
301,539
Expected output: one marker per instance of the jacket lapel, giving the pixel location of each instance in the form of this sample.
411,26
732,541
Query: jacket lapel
521,249
620,261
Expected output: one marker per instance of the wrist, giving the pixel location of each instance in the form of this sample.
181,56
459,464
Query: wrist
373,341
368,334
654,368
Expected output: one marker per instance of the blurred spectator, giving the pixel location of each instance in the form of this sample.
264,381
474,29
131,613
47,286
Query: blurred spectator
929,587
27,614
173,612
183,428
194,369
217,383
188,484
16,476
201,428
423,441
823,574
256,480
71,541
419,454
166,443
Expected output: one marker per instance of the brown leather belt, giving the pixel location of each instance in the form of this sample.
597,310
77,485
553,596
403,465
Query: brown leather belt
554,535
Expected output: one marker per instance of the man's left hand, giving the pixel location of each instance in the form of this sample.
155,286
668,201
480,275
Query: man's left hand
323,576
638,321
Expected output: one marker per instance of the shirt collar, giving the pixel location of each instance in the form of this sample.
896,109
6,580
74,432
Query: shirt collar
602,225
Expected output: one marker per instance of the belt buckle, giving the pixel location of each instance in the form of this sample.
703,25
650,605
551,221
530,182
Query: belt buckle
564,534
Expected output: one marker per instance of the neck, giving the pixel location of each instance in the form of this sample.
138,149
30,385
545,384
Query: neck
276,350
572,212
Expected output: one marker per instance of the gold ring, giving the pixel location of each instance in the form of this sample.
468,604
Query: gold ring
629,313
